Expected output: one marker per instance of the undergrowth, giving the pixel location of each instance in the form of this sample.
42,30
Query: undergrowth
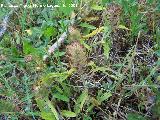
106,69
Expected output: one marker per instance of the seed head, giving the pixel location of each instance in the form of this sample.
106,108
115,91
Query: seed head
77,56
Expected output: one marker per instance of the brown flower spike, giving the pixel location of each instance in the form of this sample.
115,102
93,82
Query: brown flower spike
113,12
77,56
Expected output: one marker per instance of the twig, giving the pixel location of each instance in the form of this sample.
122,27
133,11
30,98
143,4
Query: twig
58,43
4,23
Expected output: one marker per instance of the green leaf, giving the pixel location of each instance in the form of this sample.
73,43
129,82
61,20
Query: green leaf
50,77
54,111
59,54
86,117
80,101
61,97
158,78
41,105
86,45
86,25
106,49
105,96
28,48
105,1
67,89
47,116
97,7
50,31
157,53
123,27
35,32
48,112
58,89
67,113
